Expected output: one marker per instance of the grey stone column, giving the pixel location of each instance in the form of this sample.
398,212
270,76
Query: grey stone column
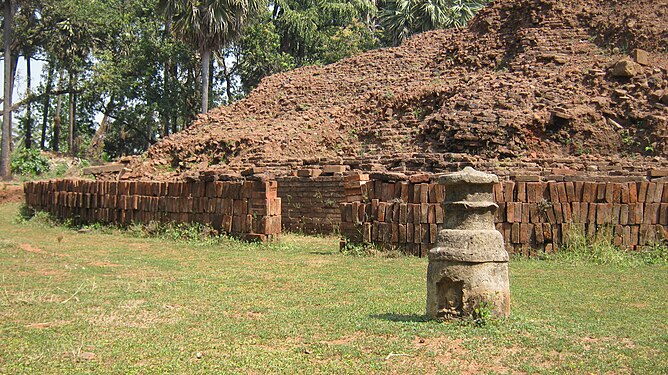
468,267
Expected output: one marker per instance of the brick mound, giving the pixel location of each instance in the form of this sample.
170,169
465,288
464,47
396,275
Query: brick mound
528,83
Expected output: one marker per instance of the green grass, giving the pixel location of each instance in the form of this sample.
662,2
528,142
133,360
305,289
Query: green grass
113,303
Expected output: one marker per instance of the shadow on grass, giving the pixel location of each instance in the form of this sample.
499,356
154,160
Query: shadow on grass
401,317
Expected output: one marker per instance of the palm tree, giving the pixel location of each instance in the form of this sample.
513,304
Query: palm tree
403,18
209,25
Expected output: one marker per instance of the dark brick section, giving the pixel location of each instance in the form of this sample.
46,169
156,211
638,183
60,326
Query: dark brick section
311,204
246,209
532,216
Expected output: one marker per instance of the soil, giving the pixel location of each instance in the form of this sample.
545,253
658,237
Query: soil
529,81
10,193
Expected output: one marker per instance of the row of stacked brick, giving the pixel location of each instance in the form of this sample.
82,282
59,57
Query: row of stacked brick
310,204
399,215
532,216
248,209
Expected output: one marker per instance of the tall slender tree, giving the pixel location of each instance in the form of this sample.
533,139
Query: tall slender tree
209,25
5,164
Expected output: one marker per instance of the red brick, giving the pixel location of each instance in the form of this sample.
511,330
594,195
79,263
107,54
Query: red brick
381,214
551,215
651,213
540,238
591,215
425,234
624,214
634,235
576,213
510,212
424,193
663,214
395,233
579,186
515,233
651,189
547,232
558,214
566,212
603,213
521,192
433,233
640,212
498,192
534,215
600,192
508,191
525,212
526,233
589,192
658,193
431,214
561,189
403,191
642,191
417,233
424,213
440,216
633,192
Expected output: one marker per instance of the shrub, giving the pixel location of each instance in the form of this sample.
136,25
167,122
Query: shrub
29,162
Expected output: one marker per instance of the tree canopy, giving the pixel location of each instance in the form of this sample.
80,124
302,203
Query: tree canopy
120,74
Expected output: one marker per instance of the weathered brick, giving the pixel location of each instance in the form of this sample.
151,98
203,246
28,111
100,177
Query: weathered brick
526,233
510,212
642,191
566,212
521,191
589,192
509,191
663,214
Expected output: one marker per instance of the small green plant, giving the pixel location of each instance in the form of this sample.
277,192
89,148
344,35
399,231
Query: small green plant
27,214
483,313
29,162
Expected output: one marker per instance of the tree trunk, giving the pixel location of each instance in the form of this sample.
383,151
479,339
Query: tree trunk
206,59
57,120
47,104
28,117
5,164
72,113
167,87
96,147
228,81
172,108
211,76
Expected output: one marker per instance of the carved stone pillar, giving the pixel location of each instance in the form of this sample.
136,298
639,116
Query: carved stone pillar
468,268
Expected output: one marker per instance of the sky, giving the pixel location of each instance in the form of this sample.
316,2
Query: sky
36,67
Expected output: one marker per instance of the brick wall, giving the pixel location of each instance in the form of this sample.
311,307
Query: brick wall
248,209
532,216
311,204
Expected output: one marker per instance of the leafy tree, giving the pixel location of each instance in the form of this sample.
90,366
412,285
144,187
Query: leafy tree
210,25
403,18
294,33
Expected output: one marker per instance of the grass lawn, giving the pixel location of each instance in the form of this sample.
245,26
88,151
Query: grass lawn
96,302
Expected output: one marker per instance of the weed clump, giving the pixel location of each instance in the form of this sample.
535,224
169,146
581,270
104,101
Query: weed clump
601,250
